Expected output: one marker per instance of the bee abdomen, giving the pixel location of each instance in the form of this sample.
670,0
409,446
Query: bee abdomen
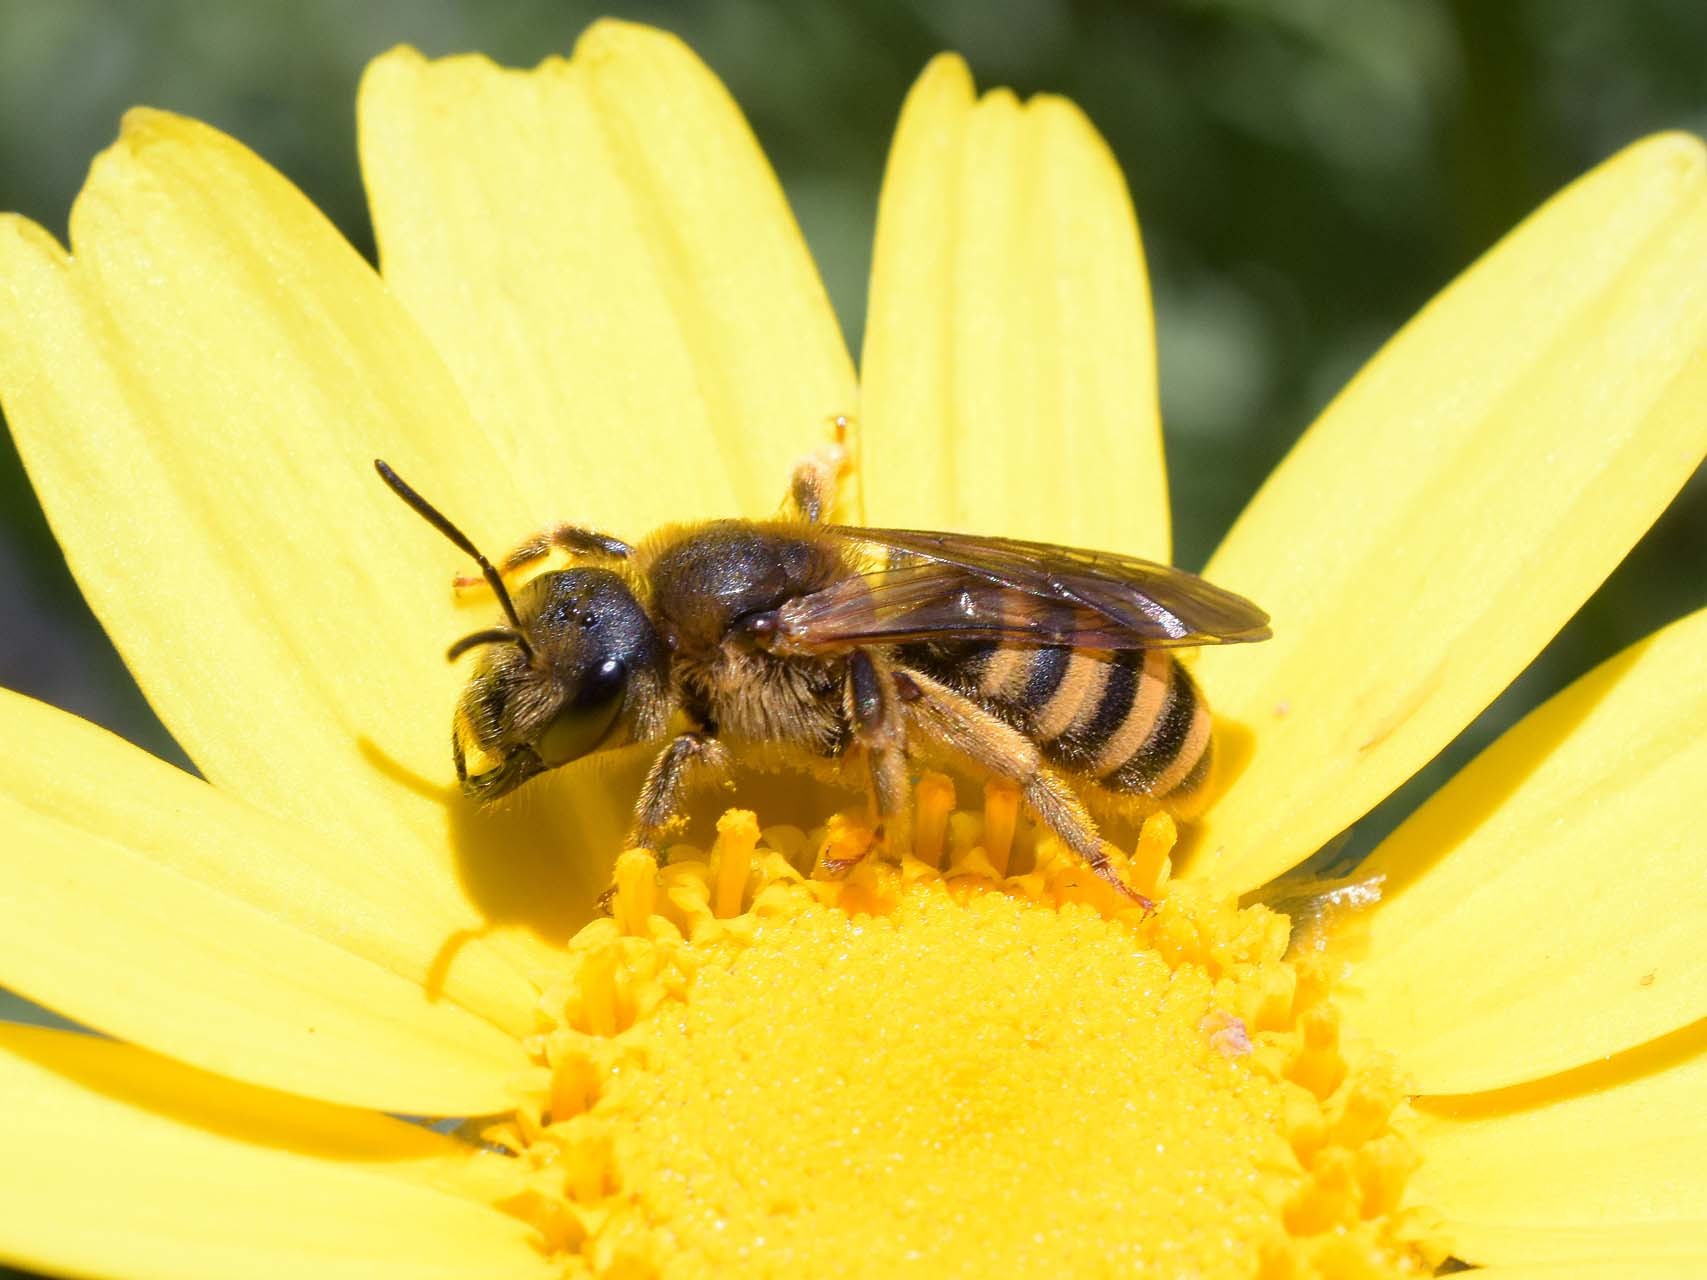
1170,727
1133,722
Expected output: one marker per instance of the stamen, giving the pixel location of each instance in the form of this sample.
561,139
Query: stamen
968,1072
732,859
1001,816
636,882
1149,870
935,800
846,841
598,992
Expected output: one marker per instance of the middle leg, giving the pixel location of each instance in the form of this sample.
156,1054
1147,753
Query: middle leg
874,708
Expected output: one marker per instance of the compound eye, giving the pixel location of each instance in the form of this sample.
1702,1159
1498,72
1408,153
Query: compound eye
581,725
606,678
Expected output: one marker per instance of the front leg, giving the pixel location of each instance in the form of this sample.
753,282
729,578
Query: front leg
689,758
578,541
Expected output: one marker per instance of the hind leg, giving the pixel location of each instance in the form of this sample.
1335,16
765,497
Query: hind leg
963,727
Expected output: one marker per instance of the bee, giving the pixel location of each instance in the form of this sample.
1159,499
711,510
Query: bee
848,653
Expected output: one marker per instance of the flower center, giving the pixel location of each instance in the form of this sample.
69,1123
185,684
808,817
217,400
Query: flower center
911,1069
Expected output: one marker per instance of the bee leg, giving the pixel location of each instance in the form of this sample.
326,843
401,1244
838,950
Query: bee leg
816,476
689,757
874,709
963,727
577,540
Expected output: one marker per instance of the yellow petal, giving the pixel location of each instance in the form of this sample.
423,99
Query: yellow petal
120,1163
146,904
1690,1267
1600,1163
1009,364
198,397
608,265
1545,908
1460,499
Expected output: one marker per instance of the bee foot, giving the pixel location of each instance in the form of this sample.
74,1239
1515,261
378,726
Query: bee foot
1106,872
1147,905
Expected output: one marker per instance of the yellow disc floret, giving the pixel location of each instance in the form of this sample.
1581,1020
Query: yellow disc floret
914,1070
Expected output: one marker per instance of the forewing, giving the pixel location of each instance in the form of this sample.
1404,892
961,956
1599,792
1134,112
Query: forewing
957,586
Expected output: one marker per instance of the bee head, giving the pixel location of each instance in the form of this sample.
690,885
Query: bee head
553,684
533,706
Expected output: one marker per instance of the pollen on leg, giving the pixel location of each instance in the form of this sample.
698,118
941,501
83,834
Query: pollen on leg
747,1070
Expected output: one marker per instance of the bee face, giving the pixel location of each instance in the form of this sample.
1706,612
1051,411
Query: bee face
531,708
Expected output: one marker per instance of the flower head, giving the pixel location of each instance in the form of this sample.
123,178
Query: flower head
593,297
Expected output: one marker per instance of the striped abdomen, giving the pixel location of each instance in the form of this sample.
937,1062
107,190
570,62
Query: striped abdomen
1132,722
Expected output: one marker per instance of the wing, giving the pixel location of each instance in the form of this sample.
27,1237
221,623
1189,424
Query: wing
950,586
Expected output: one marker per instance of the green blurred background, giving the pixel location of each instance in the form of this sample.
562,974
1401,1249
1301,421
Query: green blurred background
1307,174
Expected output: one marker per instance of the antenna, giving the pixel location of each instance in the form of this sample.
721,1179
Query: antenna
492,635
432,516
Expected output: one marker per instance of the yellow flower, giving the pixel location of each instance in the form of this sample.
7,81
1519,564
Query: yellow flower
595,303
